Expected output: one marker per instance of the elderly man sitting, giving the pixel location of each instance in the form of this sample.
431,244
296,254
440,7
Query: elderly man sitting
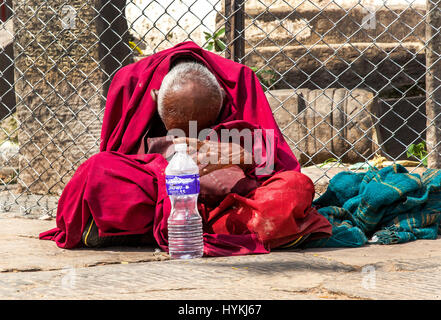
253,197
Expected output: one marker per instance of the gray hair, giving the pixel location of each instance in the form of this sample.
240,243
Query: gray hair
181,74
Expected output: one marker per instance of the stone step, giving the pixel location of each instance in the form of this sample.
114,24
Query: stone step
375,66
340,43
333,26
292,22
278,6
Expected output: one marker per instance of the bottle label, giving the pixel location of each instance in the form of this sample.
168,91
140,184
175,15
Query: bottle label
182,185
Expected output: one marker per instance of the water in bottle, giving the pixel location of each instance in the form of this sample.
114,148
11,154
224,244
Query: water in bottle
185,240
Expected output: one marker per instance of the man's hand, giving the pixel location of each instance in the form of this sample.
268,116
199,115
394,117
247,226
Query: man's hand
213,155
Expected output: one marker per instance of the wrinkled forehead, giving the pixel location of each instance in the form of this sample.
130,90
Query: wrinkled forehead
189,104
192,95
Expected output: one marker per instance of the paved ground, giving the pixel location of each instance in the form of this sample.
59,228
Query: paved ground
35,269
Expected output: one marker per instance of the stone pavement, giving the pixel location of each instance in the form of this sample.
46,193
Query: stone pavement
36,269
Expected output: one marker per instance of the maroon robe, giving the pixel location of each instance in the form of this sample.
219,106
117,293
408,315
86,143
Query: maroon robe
124,191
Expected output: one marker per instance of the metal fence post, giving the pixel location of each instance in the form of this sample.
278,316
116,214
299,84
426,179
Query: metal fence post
235,29
433,83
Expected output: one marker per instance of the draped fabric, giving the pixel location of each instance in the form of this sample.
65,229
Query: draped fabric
389,206
123,189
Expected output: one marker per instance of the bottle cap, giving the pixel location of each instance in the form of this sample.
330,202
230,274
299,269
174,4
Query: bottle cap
181,147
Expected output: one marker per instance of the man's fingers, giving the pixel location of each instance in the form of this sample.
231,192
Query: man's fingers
212,167
215,154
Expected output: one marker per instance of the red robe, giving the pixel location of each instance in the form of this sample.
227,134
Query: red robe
125,192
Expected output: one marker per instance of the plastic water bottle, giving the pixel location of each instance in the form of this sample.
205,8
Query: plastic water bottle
185,240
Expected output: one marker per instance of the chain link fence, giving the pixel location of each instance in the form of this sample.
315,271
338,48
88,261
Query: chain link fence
346,79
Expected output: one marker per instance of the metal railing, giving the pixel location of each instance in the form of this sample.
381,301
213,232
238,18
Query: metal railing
346,79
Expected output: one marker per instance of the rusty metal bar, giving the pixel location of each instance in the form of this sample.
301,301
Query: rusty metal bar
235,29
433,83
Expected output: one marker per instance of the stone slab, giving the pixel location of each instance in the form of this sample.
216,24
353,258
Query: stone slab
384,256
36,269
63,68
330,123
21,250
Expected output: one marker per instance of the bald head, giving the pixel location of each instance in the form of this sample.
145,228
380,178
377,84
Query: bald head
189,92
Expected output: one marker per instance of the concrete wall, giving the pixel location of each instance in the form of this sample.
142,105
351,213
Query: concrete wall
62,78
323,124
